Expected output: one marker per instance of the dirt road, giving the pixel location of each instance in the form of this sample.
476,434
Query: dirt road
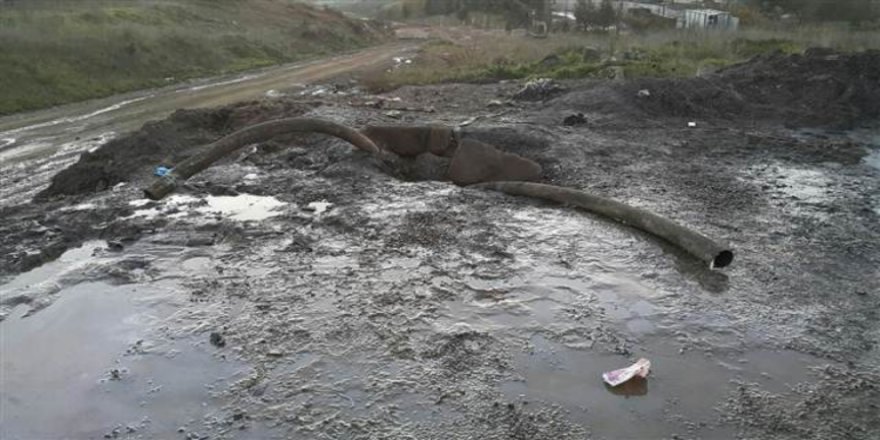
33,146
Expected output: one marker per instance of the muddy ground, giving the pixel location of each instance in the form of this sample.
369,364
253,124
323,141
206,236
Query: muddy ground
403,308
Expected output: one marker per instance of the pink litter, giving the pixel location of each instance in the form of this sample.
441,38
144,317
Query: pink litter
641,369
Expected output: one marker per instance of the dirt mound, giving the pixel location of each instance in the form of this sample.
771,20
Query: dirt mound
817,88
161,143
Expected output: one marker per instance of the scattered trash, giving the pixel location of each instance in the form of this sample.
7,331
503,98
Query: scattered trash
161,171
217,340
644,93
494,103
274,353
395,114
538,89
469,121
637,386
639,369
274,94
692,124
318,207
575,119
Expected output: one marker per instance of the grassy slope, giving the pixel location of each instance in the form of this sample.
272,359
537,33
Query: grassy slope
54,52
657,54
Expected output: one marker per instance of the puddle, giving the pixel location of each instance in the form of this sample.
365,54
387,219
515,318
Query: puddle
218,84
809,186
799,191
80,207
52,272
540,297
873,160
56,368
243,207
687,387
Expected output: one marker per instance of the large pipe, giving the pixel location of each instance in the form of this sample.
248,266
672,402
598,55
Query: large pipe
696,244
255,133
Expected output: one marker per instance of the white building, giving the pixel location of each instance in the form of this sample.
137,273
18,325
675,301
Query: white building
708,19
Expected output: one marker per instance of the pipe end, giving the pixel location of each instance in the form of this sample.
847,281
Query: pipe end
723,259
161,187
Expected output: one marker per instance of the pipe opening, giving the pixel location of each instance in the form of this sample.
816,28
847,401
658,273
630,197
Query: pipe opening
150,195
723,259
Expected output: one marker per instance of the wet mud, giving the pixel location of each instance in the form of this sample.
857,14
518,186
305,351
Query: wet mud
304,289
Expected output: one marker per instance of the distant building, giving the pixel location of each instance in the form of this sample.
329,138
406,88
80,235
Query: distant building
708,19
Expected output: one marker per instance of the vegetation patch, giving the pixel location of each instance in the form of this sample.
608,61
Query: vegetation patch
660,54
58,52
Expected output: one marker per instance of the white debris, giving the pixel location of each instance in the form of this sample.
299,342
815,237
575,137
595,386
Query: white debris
641,369
319,207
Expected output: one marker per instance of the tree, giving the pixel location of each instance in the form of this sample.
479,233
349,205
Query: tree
607,15
585,13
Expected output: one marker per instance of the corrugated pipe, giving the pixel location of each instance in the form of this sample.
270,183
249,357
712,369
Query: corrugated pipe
255,133
702,247
698,245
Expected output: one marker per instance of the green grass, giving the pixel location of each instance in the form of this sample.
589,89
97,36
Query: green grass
659,54
56,52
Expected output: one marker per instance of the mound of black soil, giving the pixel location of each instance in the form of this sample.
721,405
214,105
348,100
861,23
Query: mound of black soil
162,143
819,88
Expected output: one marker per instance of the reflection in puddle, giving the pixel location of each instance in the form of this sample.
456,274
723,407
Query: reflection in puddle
88,364
637,386
49,278
243,207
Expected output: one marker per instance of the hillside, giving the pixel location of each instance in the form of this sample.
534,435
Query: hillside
58,52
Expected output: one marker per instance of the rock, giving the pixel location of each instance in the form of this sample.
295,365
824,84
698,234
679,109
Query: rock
217,340
644,93
394,114
574,119
538,89
591,55
200,241
551,60
115,245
